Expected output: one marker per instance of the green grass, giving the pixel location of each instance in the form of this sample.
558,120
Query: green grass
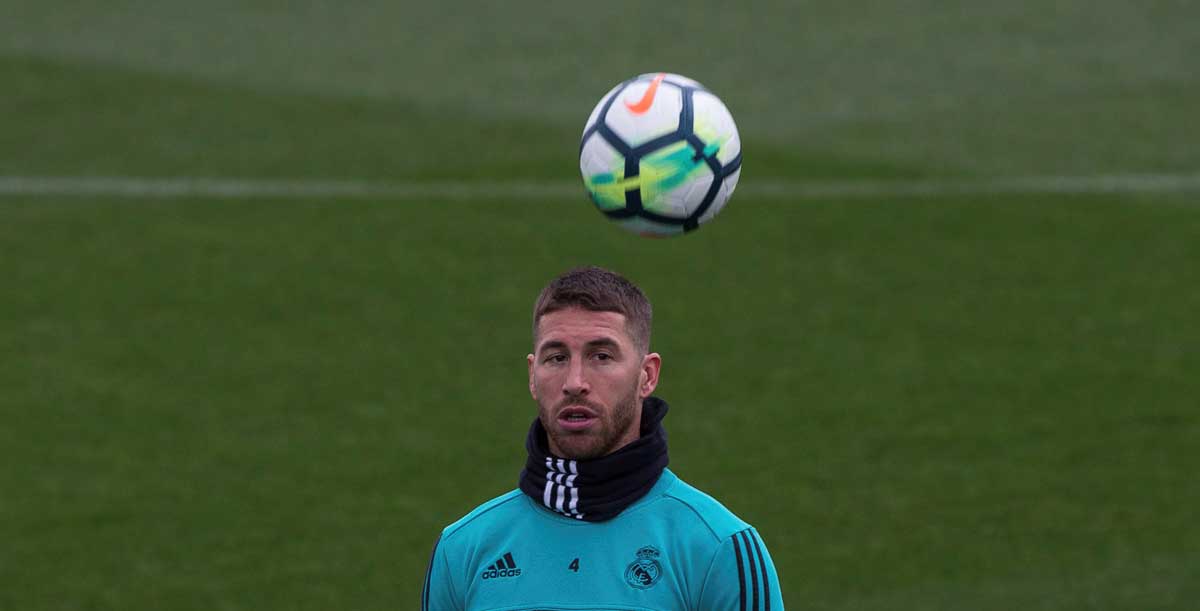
172,125
238,408
934,87
959,402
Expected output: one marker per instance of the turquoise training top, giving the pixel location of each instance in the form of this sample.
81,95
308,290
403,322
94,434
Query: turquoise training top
675,549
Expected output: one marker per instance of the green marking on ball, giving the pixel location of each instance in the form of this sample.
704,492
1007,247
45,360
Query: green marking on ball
659,173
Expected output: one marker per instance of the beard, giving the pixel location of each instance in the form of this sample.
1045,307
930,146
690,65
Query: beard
607,436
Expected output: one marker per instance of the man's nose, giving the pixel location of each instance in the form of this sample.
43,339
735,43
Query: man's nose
576,383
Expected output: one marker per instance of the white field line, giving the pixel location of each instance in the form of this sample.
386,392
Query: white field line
35,186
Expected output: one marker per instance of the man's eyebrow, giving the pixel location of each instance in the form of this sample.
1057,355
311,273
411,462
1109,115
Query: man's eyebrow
550,344
599,342
603,342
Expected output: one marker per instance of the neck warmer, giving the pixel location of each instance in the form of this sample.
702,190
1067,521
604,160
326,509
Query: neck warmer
597,490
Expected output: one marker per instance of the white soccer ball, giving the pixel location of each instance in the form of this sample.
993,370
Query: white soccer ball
660,154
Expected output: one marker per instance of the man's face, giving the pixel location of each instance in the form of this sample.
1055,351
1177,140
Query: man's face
589,380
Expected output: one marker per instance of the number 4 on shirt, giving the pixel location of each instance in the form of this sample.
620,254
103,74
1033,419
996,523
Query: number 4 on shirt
574,566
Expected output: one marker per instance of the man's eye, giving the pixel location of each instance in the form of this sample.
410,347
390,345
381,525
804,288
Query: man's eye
603,356
556,358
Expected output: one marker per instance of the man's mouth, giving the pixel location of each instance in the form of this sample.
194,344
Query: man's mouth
576,418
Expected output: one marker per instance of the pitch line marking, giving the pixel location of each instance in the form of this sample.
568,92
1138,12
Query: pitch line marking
197,187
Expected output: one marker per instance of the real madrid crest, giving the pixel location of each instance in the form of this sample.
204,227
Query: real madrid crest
645,571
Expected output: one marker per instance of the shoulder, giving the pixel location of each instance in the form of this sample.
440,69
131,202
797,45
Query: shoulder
485,515
702,509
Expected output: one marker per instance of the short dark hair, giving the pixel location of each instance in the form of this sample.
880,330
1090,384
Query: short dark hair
599,290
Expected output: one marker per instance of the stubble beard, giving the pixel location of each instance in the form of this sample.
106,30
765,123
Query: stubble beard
593,444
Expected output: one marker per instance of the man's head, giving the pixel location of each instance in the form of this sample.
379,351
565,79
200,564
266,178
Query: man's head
591,366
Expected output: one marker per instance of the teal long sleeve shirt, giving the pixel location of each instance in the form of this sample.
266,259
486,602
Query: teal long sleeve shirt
675,549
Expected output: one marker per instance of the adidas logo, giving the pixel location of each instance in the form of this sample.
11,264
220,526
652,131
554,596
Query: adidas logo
504,567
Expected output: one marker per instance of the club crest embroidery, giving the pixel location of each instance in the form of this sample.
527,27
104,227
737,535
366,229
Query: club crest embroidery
645,571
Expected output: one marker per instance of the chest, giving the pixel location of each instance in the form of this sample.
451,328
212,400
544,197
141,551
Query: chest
580,569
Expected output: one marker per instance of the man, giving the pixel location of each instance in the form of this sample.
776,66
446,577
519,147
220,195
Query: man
598,522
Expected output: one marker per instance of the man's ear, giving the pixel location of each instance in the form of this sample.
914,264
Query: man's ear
532,388
648,378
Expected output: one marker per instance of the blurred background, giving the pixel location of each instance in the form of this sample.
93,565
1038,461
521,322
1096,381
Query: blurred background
268,270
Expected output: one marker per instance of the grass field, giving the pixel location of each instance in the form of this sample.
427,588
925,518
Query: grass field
960,397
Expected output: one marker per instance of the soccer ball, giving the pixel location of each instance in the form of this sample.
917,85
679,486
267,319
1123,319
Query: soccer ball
660,155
